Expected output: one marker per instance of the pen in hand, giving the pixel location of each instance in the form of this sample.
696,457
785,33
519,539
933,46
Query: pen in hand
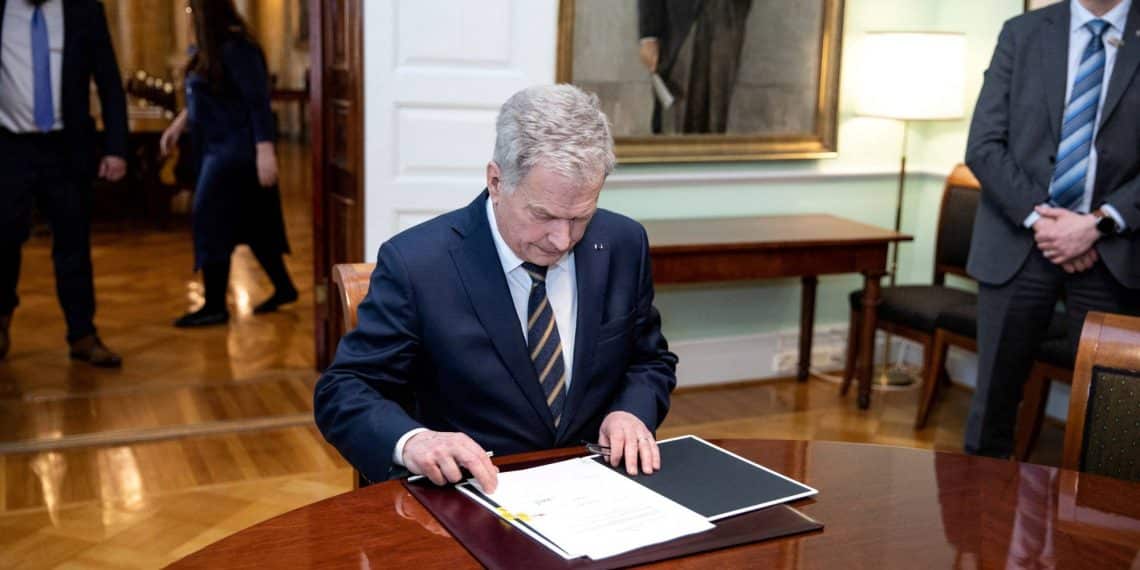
605,452
597,448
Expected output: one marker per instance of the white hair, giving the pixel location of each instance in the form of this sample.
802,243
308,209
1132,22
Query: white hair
559,126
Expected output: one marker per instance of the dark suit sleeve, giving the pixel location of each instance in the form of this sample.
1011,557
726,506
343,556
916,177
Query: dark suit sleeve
1126,200
987,151
651,375
109,82
246,67
357,401
650,18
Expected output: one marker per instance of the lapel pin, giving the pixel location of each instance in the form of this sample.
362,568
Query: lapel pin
599,246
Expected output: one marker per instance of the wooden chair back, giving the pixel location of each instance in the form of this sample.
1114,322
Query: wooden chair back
960,197
350,285
1102,429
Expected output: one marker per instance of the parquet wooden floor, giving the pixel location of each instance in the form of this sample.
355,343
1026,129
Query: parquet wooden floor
205,432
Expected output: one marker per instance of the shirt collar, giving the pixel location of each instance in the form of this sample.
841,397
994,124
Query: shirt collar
1116,17
507,256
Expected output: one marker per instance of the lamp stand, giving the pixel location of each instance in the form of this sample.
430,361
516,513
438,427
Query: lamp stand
888,374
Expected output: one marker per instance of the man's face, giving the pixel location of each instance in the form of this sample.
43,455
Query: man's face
546,215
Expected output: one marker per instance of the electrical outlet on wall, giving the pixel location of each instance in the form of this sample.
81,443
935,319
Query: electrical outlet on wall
828,358
785,362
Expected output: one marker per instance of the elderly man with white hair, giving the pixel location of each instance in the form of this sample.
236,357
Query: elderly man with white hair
524,321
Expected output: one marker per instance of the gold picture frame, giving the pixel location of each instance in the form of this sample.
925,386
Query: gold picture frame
813,137
1035,4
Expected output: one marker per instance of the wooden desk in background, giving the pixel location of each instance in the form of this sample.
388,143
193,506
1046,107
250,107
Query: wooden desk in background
882,507
766,247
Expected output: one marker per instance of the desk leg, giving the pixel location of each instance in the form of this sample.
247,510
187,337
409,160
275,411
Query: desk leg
807,325
871,298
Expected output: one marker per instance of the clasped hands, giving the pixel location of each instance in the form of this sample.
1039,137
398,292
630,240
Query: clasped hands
1066,238
440,455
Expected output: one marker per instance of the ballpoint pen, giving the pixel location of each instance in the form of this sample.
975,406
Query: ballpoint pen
597,448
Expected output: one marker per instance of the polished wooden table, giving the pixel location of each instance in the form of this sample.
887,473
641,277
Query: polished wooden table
882,507
766,247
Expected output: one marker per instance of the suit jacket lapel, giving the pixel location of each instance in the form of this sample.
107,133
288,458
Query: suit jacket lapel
1127,58
71,29
1055,66
592,265
481,272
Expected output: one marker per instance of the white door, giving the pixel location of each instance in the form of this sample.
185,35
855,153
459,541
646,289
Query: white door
436,72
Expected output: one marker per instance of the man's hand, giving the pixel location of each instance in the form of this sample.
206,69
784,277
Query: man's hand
649,53
628,438
1063,235
439,455
112,168
1082,263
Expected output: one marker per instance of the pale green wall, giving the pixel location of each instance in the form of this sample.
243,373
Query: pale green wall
864,145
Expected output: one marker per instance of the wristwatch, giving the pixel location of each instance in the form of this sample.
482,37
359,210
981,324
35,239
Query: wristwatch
1105,224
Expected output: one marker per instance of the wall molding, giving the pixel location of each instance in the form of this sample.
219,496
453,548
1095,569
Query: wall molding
631,180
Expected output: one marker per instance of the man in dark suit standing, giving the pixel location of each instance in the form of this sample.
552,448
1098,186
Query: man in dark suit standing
695,45
523,321
49,52
1055,144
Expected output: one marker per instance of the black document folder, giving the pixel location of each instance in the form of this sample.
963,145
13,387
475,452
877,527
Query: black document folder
715,482
496,544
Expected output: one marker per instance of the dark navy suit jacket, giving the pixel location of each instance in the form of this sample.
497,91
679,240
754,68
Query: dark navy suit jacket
87,54
439,345
1014,136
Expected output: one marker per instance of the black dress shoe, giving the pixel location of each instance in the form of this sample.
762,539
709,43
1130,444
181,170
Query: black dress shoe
91,350
203,318
271,304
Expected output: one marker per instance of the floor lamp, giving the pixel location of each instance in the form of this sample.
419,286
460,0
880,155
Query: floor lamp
908,77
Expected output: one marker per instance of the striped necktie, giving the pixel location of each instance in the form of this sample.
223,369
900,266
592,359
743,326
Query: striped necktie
1079,124
543,341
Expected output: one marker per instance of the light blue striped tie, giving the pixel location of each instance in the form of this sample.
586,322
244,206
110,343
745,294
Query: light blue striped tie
1079,124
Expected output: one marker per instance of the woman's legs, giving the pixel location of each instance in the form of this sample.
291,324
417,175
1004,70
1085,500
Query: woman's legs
284,292
216,277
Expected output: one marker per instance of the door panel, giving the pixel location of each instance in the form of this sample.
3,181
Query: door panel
338,173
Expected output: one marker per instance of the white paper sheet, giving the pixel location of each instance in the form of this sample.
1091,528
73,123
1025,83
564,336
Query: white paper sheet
583,508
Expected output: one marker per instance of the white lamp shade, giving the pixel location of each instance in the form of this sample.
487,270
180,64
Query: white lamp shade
911,75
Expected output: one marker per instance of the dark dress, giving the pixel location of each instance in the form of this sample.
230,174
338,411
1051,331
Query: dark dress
230,205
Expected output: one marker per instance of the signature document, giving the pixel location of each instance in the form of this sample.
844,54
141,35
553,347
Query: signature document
580,507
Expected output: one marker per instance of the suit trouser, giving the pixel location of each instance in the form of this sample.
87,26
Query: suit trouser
1012,318
35,172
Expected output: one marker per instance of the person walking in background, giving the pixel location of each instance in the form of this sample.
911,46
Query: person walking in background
50,50
236,200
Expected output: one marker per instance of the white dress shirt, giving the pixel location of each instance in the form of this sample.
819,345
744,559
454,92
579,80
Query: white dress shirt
1079,36
17,78
561,290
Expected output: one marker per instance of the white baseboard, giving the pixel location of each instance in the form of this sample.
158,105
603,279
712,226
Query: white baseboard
724,360
771,355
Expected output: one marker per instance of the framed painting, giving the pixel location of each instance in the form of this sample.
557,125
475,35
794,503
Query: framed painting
708,80
1035,4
